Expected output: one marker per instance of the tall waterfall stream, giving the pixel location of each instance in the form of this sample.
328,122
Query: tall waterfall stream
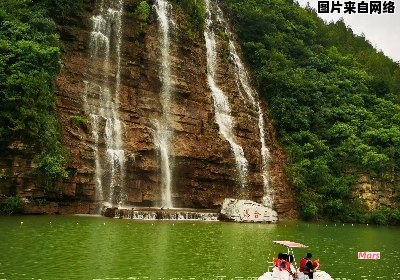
101,102
222,109
163,133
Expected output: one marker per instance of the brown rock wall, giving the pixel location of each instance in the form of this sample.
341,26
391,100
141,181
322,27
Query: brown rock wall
375,192
204,170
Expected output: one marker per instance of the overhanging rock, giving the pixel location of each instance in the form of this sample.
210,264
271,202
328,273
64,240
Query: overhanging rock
247,211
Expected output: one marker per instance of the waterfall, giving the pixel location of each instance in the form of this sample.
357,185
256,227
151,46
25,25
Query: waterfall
163,133
243,84
101,102
221,104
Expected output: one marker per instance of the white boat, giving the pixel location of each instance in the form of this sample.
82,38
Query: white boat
294,274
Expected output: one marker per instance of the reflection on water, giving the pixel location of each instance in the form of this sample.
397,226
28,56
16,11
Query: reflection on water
54,247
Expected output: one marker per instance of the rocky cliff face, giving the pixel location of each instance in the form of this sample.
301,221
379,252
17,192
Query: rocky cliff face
204,171
376,192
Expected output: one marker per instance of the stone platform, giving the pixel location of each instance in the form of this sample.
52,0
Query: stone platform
234,210
182,214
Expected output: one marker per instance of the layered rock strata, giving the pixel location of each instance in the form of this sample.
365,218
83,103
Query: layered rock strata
204,169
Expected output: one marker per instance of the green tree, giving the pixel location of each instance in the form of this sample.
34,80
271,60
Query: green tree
29,63
333,99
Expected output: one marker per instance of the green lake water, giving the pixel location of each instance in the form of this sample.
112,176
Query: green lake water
80,247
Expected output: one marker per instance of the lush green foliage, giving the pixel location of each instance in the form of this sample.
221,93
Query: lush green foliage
196,11
334,100
142,13
37,201
78,120
384,216
11,205
29,63
59,9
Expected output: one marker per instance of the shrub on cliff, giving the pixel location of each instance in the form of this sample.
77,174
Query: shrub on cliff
11,205
196,11
142,11
385,216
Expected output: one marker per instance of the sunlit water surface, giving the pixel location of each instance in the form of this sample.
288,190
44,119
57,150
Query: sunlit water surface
78,247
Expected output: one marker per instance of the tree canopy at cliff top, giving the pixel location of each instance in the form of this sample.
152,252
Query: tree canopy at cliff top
334,101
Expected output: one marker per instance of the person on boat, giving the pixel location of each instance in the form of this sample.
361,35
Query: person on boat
292,269
281,267
306,266
284,265
316,264
278,261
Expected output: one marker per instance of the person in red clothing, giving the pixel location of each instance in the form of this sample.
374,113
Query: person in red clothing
315,264
306,266
278,261
285,265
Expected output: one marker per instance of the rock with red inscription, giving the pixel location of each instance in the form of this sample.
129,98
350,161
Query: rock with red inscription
247,211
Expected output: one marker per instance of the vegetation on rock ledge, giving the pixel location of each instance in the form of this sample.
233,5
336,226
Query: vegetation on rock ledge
196,11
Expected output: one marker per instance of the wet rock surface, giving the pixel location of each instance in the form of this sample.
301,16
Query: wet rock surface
204,171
